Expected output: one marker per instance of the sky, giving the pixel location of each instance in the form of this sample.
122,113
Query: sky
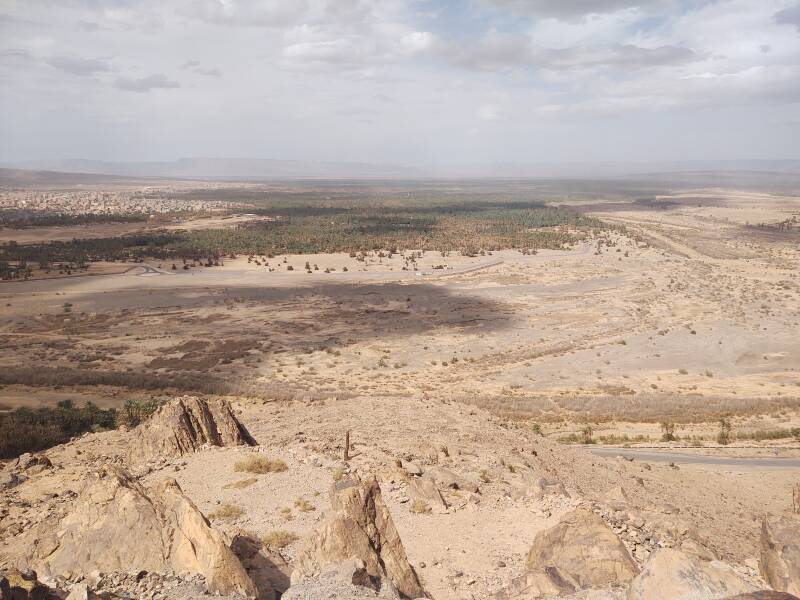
406,82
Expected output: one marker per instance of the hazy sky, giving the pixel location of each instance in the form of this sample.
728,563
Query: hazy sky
405,82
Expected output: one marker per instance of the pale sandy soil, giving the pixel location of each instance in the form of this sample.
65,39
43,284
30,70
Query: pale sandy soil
688,317
479,544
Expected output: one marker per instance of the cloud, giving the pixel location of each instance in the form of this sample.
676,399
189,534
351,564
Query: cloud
78,66
570,9
501,51
260,13
789,16
488,112
145,84
195,67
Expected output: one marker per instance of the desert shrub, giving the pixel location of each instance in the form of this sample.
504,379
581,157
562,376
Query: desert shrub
226,512
260,465
586,434
669,431
769,434
419,506
303,505
615,440
136,411
724,435
30,430
241,484
278,538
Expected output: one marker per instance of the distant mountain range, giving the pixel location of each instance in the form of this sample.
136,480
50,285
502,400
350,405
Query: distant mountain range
255,168
224,168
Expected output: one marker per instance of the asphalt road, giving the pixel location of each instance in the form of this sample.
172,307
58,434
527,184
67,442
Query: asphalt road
685,458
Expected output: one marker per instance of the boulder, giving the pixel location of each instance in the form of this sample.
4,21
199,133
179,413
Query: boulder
31,463
673,575
361,528
185,424
116,524
16,585
446,479
343,580
780,553
426,490
267,570
581,552
542,487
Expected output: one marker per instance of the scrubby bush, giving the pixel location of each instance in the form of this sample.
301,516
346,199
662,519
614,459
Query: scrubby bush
136,411
278,538
226,512
260,465
724,435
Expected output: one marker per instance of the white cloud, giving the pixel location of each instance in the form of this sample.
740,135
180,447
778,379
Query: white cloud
489,112
146,84
391,80
78,66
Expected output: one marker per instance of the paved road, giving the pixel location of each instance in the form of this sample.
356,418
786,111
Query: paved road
684,458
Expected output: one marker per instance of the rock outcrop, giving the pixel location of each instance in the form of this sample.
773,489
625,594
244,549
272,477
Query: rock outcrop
361,528
267,570
446,479
780,553
16,585
348,580
580,552
116,524
185,424
19,469
674,575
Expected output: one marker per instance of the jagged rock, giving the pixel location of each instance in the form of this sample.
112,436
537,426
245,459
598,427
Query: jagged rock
764,595
533,585
673,575
413,468
31,463
333,584
268,570
359,527
116,524
616,498
581,552
780,553
426,490
21,468
16,585
445,478
547,487
183,425
10,479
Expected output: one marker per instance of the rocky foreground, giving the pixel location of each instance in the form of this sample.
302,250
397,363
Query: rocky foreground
106,516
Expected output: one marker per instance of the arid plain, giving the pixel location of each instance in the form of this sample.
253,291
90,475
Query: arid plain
682,313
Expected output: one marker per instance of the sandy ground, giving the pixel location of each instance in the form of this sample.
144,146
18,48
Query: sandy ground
688,317
477,545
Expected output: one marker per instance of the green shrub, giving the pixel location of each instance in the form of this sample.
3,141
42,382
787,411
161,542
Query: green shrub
136,411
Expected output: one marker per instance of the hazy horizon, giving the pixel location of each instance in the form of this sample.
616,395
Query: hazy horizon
418,84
